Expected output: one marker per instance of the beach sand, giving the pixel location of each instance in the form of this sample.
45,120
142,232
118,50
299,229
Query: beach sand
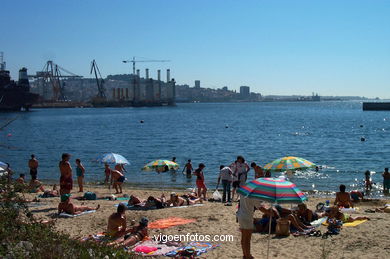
367,240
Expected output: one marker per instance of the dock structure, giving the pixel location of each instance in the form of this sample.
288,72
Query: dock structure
376,106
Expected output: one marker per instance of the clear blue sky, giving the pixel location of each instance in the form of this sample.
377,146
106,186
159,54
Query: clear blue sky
276,47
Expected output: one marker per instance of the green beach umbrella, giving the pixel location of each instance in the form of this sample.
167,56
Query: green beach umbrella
289,163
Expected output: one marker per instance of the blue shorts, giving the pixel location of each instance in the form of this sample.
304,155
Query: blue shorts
121,179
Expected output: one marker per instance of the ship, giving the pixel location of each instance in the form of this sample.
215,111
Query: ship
15,96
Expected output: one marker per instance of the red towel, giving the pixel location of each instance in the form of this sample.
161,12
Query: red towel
169,222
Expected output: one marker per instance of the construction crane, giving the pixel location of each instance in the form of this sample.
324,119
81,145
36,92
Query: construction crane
99,81
52,74
133,61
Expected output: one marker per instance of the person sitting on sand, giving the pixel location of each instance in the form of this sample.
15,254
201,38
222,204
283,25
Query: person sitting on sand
20,183
134,234
306,215
356,196
68,207
295,221
343,199
116,226
334,213
262,224
117,179
35,185
177,201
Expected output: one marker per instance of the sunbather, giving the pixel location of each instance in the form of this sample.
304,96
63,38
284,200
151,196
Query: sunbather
158,203
295,221
35,185
52,193
177,201
306,215
135,201
68,207
334,213
116,226
134,234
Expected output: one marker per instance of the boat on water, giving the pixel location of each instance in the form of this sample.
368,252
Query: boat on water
376,106
15,96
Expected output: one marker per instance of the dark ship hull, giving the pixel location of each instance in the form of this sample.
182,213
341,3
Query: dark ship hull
15,96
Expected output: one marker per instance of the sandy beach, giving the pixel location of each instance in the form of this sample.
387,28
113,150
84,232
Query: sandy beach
367,240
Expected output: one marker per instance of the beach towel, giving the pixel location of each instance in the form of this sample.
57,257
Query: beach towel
66,215
169,222
99,237
188,206
153,248
197,248
318,222
349,224
349,210
132,207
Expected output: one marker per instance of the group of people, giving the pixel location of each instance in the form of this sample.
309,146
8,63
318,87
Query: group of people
298,219
174,200
386,181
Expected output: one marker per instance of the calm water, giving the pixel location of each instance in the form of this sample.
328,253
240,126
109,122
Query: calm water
327,133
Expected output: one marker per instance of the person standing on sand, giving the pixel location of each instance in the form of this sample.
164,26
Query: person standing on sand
107,172
80,171
120,168
33,165
258,170
240,173
386,181
117,179
245,213
226,175
202,189
66,179
188,168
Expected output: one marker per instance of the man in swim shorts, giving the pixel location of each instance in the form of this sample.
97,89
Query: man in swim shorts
33,165
66,181
386,181
117,178
116,226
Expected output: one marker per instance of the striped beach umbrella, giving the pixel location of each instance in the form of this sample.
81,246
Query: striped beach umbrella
289,163
272,190
112,158
160,164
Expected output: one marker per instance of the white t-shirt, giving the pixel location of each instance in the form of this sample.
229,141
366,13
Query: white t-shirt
226,174
246,211
239,171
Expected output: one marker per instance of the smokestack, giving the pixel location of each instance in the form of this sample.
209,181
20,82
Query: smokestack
138,72
168,75
147,73
159,75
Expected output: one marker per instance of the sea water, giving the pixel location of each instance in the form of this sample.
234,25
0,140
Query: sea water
326,133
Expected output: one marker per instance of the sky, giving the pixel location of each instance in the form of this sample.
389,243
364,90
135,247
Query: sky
275,47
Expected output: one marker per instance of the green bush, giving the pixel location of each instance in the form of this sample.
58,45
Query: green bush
21,236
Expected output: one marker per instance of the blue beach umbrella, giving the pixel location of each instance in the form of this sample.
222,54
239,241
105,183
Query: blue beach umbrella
3,165
112,158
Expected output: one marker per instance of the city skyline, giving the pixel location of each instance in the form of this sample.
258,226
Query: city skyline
283,47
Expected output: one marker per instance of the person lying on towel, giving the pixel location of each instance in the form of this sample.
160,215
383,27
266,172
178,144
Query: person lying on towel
334,213
177,201
68,207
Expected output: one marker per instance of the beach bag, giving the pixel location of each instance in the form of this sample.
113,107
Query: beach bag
217,196
282,228
90,196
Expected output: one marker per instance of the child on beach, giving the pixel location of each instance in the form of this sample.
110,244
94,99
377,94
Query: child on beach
80,171
202,189
367,181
